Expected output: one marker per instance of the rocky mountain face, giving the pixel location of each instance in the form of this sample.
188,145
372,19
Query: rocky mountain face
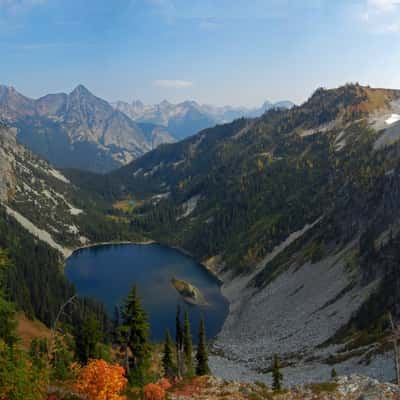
37,195
43,218
78,130
298,213
187,118
45,202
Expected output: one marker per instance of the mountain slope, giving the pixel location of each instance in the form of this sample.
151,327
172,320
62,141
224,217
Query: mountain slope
297,212
187,118
78,130
43,218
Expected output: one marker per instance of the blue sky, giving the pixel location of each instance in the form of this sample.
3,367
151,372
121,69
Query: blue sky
238,52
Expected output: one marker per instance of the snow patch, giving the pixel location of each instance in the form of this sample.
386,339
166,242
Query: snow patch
37,232
393,119
158,197
58,175
189,206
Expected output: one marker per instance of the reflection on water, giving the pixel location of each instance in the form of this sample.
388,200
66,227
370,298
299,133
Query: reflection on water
108,272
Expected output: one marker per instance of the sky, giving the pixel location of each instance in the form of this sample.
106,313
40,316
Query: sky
237,52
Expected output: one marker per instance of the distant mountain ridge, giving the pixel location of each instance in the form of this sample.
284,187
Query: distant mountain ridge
78,130
188,117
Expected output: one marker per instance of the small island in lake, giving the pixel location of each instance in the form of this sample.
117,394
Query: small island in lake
190,293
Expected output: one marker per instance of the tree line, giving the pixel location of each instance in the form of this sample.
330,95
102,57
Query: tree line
132,336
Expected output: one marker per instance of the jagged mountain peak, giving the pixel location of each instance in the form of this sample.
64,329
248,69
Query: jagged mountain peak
78,130
81,89
188,117
81,93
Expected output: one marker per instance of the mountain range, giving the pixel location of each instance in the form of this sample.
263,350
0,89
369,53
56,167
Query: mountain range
189,117
80,130
296,211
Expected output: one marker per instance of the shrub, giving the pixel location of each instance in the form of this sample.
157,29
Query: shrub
99,380
152,391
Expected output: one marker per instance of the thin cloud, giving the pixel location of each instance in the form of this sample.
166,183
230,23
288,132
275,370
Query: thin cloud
172,84
382,16
383,5
209,24
16,7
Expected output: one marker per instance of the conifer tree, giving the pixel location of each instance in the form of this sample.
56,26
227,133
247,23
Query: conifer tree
137,337
187,345
86,338
179,340
116,324
167,361
201,355
8,322
277,376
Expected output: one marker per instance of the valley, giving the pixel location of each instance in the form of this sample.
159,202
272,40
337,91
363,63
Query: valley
283,216
199,200
295,212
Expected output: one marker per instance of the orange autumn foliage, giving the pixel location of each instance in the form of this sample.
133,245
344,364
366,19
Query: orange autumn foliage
164,383
99,380
152,391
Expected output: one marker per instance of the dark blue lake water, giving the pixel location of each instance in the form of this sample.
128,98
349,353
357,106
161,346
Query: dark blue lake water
107,273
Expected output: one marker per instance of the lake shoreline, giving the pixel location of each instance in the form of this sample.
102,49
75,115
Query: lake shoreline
153,267
144,243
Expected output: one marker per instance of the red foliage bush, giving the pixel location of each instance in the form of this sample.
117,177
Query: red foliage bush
164,383
152,391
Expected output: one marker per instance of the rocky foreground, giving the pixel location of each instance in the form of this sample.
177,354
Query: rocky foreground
354,387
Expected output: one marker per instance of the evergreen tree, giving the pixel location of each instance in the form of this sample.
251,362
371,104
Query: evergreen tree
86,338
38,352
179,340
167,361
116,324
62,357
201,355
8,323
333,373
277,376
136,329
187,346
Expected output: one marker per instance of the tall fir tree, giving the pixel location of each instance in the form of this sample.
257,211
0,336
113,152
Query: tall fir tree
201,354
179,341
187,346
8,322
167,360
136,329
87,336
277,376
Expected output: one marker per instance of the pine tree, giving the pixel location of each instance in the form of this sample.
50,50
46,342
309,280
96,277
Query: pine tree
137,337
179,340
333,373
116,324
277,376
86,338
187,346
8,322
201,355
167,361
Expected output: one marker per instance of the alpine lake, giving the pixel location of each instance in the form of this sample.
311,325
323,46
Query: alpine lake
108,272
